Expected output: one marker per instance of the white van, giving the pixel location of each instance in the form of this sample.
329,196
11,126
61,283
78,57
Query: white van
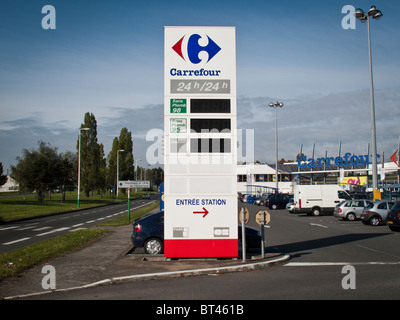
317,199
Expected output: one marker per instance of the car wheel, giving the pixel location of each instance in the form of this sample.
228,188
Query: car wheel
153,246
351,216
315,212
274,207
374,221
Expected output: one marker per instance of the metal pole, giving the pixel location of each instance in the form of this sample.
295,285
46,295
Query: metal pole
79,167
262,234
243,236
373,130
276,147
129,204
117,173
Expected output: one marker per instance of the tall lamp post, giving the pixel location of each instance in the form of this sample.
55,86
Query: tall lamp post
79,163
118,151
276,105
376,14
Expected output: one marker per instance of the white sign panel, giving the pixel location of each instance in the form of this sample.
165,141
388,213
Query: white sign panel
133,184
200,142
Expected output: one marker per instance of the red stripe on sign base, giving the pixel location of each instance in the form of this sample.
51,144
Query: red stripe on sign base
201,248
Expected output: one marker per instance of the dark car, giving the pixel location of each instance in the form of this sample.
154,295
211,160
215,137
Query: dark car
148,233
393,217
277,200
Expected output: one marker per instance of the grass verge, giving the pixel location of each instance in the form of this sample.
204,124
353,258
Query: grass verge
16,261
16,207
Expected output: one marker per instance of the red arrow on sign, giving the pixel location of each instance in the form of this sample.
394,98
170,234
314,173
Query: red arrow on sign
205,212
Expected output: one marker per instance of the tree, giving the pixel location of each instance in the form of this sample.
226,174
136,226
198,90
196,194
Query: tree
92,157
112,164
125,158
66,177
40,170
126,169
3,178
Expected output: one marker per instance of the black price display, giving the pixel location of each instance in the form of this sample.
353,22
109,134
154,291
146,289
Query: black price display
210,145
210,125
210,105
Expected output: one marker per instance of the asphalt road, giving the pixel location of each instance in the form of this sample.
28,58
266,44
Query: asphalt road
14,235
320,248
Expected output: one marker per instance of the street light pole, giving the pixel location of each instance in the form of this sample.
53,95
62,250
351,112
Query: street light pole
360,15
79,163
276,105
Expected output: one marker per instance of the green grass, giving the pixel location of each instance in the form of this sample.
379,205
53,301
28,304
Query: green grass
15,261
18,207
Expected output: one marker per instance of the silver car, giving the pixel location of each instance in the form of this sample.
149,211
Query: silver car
290,205
376,212
350,209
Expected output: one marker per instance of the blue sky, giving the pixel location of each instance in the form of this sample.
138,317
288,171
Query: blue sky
106,57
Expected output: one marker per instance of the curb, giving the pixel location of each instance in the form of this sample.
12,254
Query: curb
165,275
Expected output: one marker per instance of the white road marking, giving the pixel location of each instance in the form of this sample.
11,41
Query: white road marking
8,228
15,241
42,228
73,230
53,231
25,228
323,264
77,225
378,251
318,225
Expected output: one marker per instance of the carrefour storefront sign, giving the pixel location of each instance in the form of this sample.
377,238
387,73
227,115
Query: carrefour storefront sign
346,160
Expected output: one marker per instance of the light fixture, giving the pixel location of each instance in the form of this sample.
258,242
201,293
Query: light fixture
360,15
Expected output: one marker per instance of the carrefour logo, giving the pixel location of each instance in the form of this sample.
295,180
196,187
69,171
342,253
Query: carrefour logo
191,48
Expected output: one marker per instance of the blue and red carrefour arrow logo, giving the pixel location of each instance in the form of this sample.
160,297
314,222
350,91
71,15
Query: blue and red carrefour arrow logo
193,48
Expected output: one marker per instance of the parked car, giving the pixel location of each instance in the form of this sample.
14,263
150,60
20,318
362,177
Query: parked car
148,233
290,205
376,212
258,201
145,196
350,209
393,217
277,200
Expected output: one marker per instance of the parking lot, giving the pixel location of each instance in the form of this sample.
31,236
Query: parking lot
321,249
